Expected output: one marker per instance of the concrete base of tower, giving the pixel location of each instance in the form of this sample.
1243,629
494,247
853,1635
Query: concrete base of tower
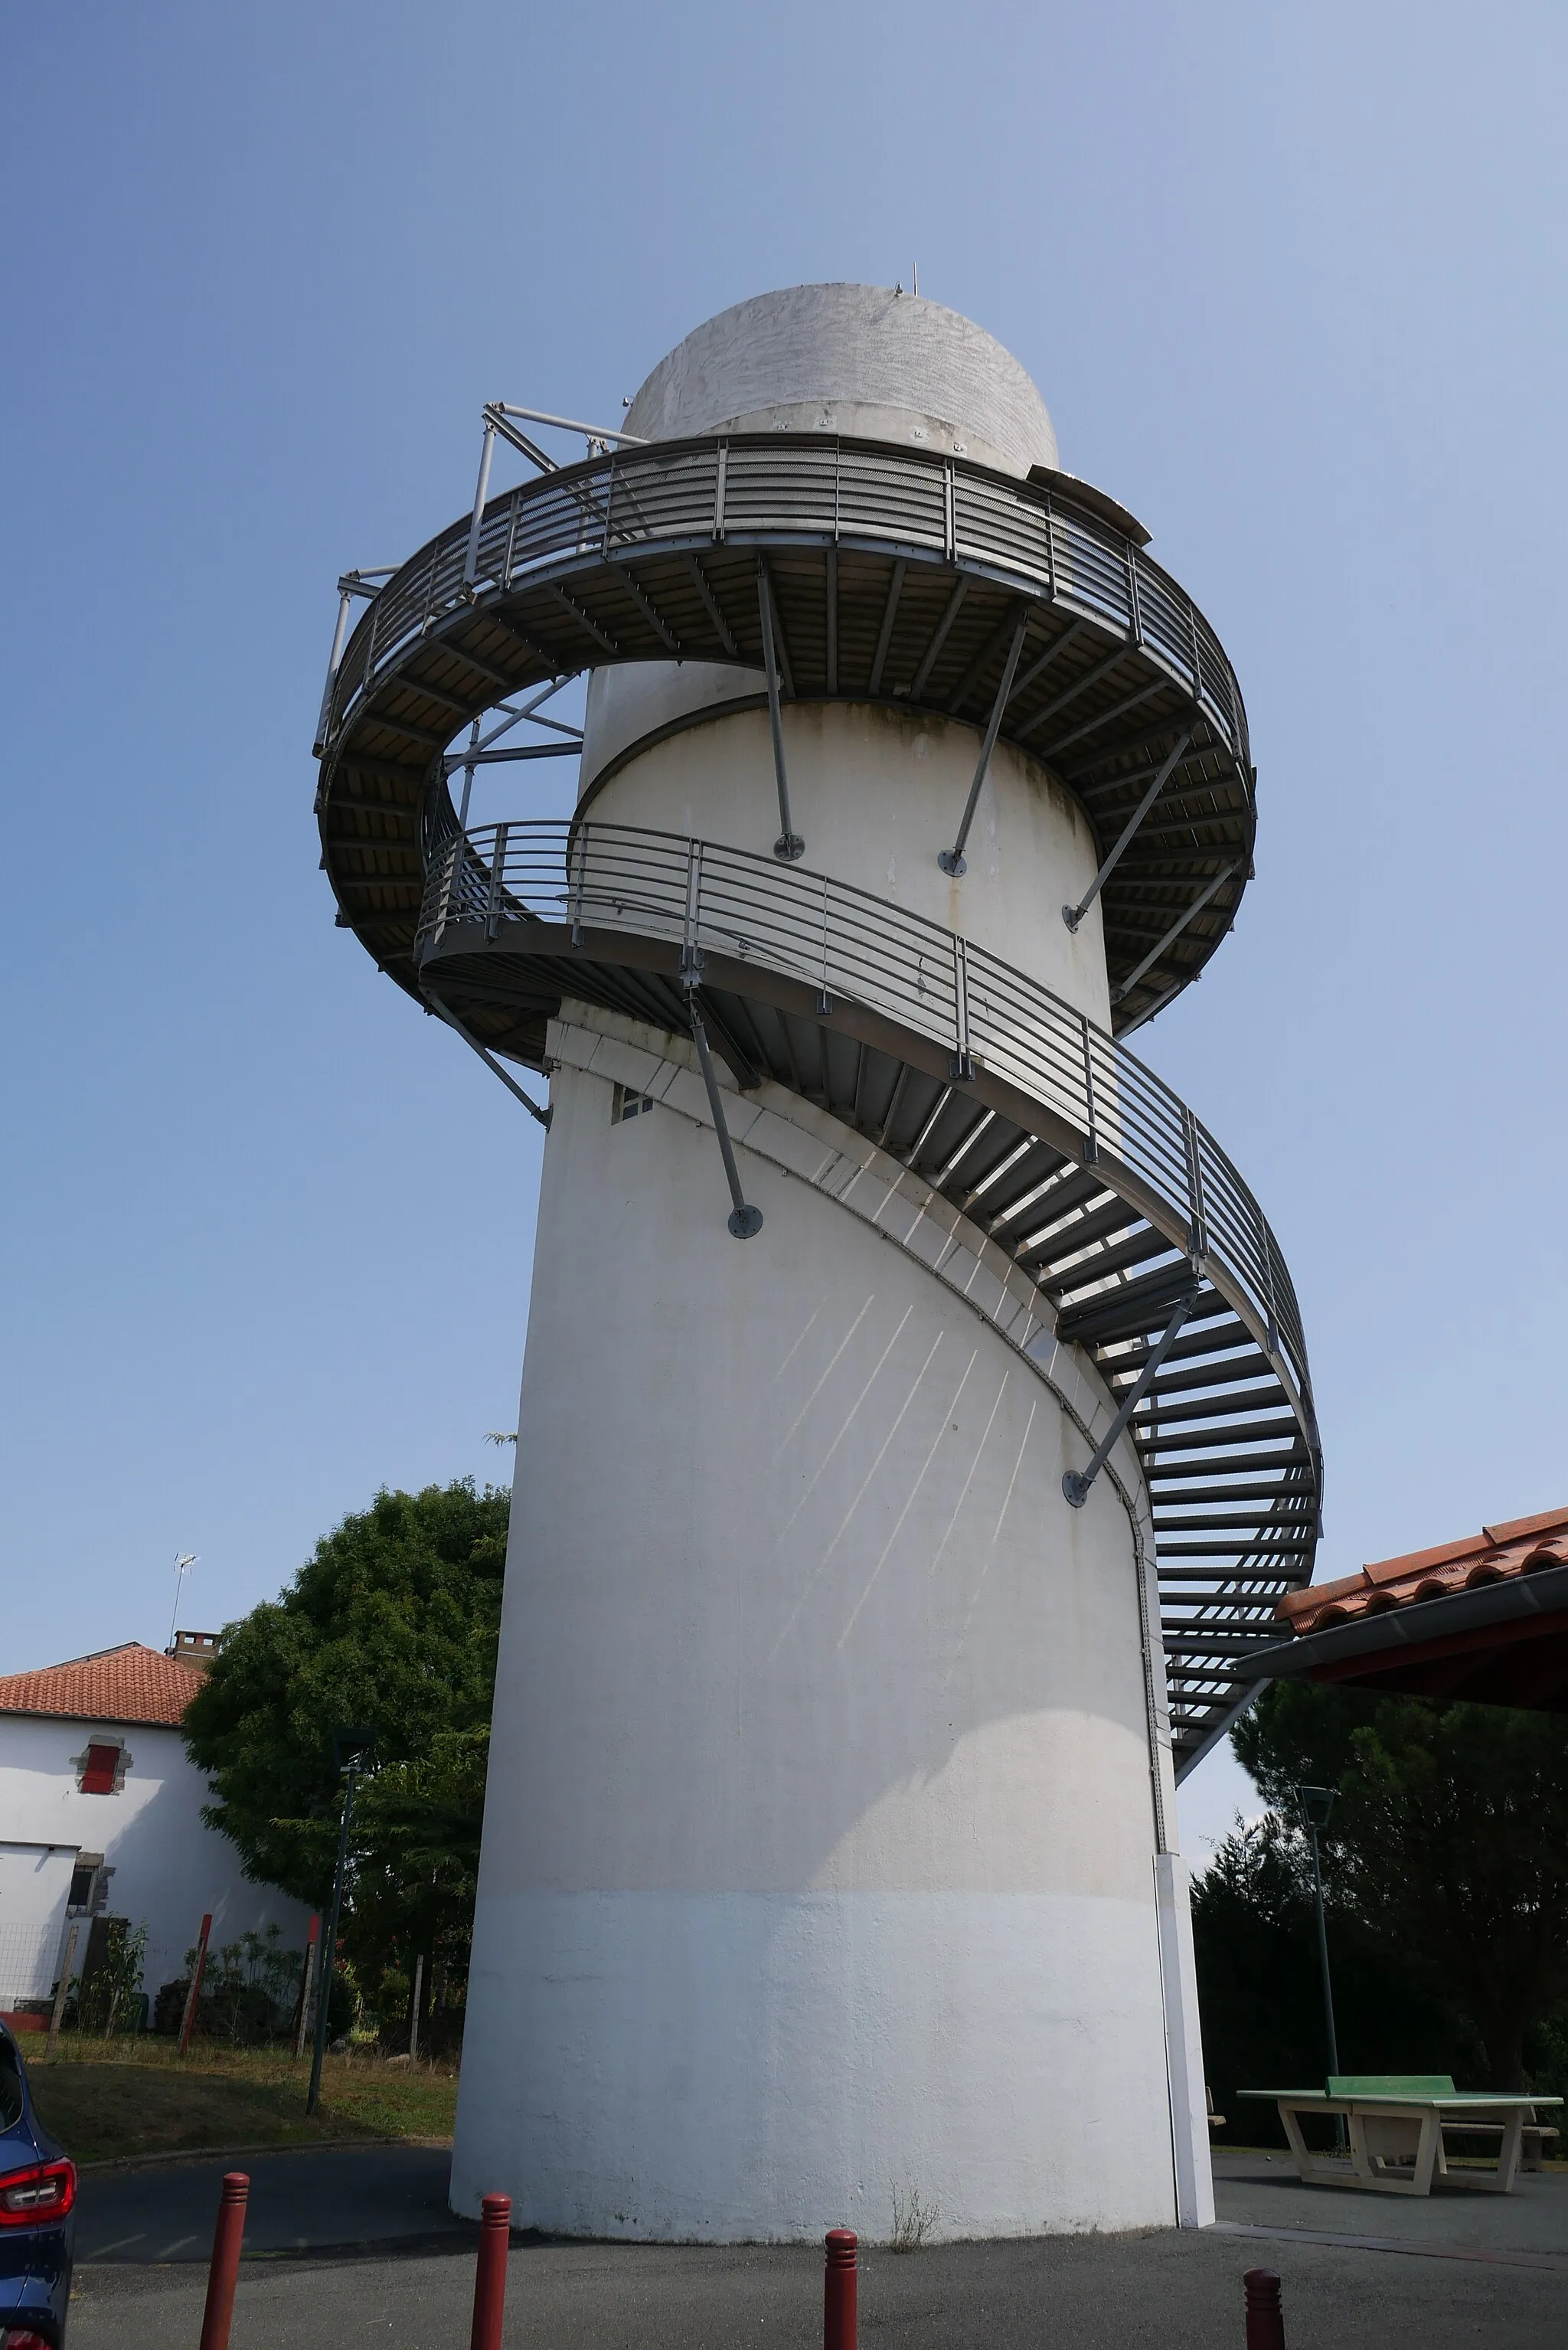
730,2067
822,1850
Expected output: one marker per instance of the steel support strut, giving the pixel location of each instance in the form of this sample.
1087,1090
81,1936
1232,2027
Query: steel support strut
569,424
1075,1484
745,1221
789,846
952,859
345,597
460,841
1118,995
490,1062
1073,915
470,560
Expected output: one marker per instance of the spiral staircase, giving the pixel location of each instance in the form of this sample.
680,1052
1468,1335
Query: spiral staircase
1029,608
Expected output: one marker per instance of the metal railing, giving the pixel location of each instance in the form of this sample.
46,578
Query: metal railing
683,496
848,945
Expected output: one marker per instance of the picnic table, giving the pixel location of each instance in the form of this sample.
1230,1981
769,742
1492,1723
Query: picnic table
1397,2124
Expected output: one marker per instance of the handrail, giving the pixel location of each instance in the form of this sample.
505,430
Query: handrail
779,488
846,944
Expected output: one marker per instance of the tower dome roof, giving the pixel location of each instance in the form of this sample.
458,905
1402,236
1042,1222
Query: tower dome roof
861,359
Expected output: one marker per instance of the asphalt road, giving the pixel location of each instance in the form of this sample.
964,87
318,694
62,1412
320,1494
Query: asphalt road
1182,2292
1100,2292
347,2198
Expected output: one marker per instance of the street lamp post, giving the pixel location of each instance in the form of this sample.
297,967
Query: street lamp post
351,1749
1316,1803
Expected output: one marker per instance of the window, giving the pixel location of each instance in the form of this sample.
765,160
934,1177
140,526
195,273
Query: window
90,1886
628,1103
102,1768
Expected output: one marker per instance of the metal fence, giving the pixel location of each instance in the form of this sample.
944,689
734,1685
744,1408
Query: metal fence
848,945
29,1957
686,495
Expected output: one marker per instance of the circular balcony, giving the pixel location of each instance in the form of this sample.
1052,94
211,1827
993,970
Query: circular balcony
891,574
1043,1129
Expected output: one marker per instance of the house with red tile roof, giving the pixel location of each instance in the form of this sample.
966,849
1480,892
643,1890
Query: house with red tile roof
100,1817
1484,1618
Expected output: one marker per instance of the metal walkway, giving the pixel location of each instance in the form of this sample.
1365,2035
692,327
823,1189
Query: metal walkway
922,581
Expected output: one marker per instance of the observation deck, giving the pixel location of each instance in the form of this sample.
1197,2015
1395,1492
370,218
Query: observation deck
923,581
930,583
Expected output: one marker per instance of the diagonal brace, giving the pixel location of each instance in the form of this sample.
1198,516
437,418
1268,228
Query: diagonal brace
471,558
711,606
744,1221
789,846
1073,915
497,415
490,1062
1118,995
952,859
1075,1484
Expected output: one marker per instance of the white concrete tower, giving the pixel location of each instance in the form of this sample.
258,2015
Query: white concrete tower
829,1847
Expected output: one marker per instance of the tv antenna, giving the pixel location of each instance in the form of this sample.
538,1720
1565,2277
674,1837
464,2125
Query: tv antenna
183,1562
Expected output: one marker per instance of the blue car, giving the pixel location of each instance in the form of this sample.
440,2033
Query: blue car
37,2225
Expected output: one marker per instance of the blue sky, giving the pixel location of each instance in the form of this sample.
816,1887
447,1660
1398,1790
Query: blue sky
1291,284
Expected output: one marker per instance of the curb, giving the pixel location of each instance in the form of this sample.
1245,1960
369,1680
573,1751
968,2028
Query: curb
185,2155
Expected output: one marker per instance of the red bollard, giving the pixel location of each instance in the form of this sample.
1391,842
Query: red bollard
838,2285
1266,2312
224,2274
490,2276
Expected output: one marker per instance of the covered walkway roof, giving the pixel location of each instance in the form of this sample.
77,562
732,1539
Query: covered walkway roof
1484,1618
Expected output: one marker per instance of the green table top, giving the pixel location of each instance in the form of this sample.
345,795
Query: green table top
1462,2097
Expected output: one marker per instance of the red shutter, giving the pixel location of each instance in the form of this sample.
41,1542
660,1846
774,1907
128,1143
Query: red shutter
102,1762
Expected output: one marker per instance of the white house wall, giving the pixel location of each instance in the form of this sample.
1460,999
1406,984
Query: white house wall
35,1887
168,1865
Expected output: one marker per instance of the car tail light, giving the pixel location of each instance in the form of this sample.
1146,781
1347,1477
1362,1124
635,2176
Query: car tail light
23,2338
43,2191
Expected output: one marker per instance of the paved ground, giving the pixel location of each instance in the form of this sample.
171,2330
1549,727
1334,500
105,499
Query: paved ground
349,2197
1506,2288
1262,2190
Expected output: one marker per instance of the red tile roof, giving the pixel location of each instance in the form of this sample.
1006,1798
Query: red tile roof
127,1684
1494,1556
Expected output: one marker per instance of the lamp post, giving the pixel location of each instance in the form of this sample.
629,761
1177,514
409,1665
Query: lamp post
1316,1803
350,1749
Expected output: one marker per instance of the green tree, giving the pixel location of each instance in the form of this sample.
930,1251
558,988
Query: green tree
392,1624
107,1996
1257,1966
1255,1937
1449,1846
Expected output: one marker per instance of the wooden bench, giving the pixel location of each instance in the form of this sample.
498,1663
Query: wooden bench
1398,2125
1532,2138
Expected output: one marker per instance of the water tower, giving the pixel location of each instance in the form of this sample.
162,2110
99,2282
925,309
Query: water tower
916,1432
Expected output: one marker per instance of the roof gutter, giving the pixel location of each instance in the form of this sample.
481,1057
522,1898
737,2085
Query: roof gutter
1518,1598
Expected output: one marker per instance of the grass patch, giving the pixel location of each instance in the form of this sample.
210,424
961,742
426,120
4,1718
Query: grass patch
135,2095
